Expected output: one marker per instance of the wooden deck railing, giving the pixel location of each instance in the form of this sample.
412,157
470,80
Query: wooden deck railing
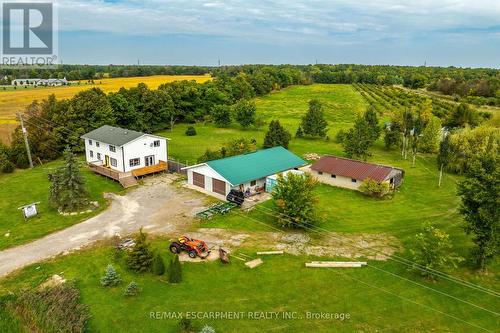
161,166
105,171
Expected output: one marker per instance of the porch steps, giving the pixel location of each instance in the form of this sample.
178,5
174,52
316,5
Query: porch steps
128,181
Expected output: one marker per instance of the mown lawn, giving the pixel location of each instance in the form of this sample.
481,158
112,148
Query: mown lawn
373,300
341,104
28,186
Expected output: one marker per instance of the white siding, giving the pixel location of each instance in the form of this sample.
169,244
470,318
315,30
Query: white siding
104,151
139,148
339,181
142,147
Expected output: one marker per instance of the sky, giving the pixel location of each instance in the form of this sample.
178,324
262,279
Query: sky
463,33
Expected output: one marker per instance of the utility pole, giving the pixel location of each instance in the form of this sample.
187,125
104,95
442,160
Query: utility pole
25,135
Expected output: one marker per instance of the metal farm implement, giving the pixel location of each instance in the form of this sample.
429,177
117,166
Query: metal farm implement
220,208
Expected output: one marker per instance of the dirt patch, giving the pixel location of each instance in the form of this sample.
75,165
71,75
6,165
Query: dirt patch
370,246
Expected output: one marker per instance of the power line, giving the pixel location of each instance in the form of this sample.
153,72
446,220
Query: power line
399,259
381,289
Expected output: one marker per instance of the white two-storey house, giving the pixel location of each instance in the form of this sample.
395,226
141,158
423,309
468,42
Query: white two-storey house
124,150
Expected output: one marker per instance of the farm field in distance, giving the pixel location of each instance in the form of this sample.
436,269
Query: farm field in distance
384,296
12,101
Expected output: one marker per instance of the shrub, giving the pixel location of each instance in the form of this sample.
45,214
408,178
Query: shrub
186,325
132,289
158,265
191,131
295,200
111,278
54,310
140,258
207,329
8,167
432,251
175,270
373,188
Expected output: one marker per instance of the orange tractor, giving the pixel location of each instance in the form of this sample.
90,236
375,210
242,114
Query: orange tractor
194,248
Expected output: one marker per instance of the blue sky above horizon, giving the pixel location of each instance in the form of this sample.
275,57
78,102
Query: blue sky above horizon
199,32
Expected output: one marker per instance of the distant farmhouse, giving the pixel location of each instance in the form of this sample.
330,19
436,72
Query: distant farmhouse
40,82
250,173
124,155
347,173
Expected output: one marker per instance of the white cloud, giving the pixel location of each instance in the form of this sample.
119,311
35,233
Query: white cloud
280,20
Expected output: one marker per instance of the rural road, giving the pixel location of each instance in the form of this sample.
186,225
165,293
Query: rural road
157,205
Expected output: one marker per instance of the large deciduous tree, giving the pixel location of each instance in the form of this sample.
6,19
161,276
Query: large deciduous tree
313,122
245,112
480,207
277,135
295,200
221,115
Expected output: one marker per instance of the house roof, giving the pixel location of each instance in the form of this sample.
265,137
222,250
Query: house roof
352,169
244,168
115,136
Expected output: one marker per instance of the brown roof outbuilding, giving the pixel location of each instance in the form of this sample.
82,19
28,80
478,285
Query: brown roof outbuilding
352,169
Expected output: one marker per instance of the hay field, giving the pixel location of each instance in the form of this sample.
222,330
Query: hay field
12,101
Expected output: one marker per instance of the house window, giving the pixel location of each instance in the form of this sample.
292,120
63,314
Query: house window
320,172
91,153
99,156
97,144
113,162
253,183
354,180
112,148
135,162
90,142
156,143
334,176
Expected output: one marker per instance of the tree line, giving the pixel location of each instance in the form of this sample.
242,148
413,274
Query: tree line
54,124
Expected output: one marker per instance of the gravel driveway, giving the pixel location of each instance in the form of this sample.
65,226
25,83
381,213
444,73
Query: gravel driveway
157,205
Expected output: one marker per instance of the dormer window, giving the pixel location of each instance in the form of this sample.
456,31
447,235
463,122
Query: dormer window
112,148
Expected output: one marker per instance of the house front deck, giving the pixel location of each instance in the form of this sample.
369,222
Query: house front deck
127,179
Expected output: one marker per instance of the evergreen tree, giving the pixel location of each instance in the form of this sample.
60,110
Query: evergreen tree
372,121
480,197
111,278
158,265
67,191
140,258
299,133
175,270
132,289
245,112
277,135
463,115
313,122
190,131
221,115
358,140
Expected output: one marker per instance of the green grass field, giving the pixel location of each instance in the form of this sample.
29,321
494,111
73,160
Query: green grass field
28,186
383,297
